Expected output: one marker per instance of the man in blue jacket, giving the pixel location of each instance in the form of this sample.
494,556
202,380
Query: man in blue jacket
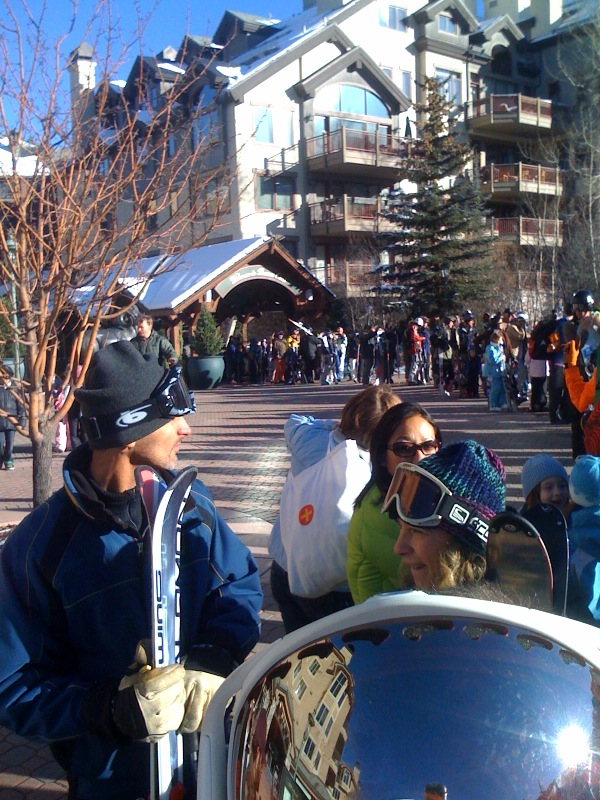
75,592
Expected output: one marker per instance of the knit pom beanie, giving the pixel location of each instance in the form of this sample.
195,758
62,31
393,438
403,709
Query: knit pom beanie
475,474
537,469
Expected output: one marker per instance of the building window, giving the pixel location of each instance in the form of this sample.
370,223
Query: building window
309,748
328,727
152,217
314,666
447,25
450,86
317,760
338,683
322,714
348,99
393,17
263,125
387,71
297,669
171,146
300,689
103,167
153,96
406,83
275,194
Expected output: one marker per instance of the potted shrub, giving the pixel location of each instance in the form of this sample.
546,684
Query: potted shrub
205,369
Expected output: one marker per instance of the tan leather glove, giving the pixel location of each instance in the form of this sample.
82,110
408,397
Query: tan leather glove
199,688
150,703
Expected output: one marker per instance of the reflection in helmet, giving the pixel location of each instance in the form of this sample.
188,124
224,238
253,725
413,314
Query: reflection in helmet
474,709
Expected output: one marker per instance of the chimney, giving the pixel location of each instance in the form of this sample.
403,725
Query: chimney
82,71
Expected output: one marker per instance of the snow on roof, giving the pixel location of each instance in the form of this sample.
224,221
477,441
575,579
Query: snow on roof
290,33
171,67
183,275
26,165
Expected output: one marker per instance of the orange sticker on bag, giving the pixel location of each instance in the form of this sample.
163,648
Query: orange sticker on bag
306,514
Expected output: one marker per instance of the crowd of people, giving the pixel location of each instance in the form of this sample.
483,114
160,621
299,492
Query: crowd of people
391,507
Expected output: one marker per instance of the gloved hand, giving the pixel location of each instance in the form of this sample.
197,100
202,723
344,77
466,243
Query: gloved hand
571,353
199,689
150,703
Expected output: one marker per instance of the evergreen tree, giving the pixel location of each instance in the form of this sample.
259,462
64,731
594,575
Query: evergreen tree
440,243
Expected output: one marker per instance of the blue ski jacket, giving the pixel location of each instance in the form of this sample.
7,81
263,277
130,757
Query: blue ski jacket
75,599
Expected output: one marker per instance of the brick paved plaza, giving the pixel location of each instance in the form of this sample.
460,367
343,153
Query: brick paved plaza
237,443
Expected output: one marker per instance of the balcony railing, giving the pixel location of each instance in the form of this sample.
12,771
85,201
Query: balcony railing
347,215
524,230
366,142
284,160
512,108
515,178
349,275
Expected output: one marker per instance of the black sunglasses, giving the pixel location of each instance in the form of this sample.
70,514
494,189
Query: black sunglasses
409,449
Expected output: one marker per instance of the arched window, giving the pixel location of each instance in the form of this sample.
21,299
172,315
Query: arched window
348,99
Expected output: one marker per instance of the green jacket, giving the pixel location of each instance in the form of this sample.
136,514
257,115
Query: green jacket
372,564
156,345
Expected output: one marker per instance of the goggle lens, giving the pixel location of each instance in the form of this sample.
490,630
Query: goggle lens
415,496
173,396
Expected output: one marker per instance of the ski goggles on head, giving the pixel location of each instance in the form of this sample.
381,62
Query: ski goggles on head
422,500
171,398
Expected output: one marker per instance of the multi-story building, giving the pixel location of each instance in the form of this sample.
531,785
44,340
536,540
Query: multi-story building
311,119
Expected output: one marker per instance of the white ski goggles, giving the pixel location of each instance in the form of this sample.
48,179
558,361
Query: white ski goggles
419,498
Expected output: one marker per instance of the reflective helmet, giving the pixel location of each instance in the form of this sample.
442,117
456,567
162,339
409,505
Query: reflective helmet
522,315
583,300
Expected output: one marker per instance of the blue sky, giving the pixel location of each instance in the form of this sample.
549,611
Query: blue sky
169,21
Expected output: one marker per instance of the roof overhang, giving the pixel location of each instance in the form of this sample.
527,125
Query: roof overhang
355,59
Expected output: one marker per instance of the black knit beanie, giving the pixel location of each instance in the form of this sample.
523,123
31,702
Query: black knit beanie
119,378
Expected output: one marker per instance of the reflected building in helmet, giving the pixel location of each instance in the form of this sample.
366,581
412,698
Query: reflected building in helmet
296,735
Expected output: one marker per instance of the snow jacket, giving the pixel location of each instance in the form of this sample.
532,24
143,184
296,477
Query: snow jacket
372,564
584,535
157,345
11,405
307,440
75,596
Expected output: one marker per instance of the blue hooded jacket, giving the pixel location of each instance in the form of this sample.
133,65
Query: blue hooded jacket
75,598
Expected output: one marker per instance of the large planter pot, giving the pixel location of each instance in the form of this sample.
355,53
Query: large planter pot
205,372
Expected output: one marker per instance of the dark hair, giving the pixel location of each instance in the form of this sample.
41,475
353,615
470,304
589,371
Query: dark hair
386,426
145,318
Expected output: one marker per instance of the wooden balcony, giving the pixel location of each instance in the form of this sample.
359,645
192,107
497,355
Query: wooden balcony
340,217
359,153
527,231
509,117
506,182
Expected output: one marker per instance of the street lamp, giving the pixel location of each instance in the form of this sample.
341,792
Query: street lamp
12,254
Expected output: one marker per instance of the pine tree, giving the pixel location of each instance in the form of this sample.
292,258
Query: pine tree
438,251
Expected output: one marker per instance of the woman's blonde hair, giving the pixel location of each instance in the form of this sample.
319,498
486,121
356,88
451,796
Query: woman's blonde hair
362,412
458,566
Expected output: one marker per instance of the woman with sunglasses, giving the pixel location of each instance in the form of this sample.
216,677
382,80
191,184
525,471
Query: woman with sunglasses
405,432
443,506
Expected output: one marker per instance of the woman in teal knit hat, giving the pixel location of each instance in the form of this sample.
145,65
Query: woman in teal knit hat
444,505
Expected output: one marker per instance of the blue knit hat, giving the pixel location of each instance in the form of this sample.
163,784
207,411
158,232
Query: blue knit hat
474,473
537,468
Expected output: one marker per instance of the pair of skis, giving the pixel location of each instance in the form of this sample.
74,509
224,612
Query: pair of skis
164,506
528,556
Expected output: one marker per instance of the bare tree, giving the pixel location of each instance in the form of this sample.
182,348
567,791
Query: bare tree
100,174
